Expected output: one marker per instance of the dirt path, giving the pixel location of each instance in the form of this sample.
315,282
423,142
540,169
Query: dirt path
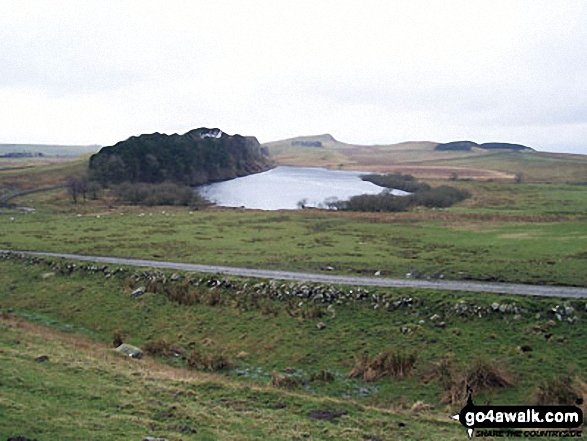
496,288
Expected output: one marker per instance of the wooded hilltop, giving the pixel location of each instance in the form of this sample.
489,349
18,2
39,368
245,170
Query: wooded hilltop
198,157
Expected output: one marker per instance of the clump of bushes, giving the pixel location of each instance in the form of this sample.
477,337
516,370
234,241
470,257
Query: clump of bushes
166,193
383,202
439,197
387,364
398,181
421,195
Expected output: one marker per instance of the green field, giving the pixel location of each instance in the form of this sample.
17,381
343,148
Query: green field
528,233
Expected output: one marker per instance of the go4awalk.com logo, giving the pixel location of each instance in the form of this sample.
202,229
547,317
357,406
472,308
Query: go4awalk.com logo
520,421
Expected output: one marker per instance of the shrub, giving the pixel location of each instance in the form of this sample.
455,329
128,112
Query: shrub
398,181
421,195
439,197
383,202
387,364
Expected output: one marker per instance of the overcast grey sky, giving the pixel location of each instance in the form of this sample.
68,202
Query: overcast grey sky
366,71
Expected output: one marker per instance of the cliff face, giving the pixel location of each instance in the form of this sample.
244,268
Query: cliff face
197,157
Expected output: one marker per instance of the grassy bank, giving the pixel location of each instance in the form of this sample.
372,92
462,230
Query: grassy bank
278,332
86,391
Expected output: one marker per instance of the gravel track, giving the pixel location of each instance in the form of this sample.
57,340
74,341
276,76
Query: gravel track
447,285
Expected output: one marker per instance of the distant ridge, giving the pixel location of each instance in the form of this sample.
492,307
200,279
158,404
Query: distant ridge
327,140
49,149
306,141
462,159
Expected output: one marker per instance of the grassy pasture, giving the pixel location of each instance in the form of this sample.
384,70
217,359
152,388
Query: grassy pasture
72,320
32,173
534,166
529,237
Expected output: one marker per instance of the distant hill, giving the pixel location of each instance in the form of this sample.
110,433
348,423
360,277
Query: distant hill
28,150
468,145
304,141
328,141
463,160
326,151
199,156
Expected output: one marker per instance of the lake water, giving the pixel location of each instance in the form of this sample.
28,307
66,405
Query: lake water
284,187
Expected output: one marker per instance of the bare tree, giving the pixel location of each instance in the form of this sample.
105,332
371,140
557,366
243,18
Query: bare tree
77,186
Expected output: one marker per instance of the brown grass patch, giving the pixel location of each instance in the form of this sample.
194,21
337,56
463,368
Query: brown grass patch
526,235
564,390
437,172
481,376
285,381
162,347
211,362
387,364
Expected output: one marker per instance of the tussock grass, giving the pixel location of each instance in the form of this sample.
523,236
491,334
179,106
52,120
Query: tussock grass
209,361
323,376
162,347
478,376
289,382
566,389
386,364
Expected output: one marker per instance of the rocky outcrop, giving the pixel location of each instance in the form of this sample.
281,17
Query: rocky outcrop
131,351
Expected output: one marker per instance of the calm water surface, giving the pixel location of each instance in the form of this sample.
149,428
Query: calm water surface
284,187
